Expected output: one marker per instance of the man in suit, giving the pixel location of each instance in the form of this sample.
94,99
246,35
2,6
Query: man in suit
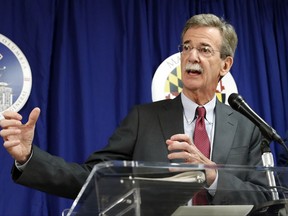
161,131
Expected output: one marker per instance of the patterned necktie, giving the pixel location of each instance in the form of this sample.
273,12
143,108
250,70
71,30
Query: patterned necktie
201,141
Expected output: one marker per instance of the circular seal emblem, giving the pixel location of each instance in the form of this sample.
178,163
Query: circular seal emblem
167,83
15,76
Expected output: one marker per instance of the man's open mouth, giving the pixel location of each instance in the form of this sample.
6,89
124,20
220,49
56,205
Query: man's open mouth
191,71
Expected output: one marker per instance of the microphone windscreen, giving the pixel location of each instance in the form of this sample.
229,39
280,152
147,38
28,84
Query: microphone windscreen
232,100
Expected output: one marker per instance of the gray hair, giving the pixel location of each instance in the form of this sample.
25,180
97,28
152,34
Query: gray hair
227,31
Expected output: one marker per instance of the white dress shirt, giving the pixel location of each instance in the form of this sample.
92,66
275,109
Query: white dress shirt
189,117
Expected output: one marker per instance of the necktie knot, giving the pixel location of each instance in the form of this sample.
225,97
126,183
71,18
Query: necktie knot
201,111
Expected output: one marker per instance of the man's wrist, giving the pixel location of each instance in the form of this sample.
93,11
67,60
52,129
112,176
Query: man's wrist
21,166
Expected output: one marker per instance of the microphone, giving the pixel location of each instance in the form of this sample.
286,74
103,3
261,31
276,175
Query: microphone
238,104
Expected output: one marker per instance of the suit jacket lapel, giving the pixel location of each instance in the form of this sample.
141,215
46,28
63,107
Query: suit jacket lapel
171,121
171,117
225,130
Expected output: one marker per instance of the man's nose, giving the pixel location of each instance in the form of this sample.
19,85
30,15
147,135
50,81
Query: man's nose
193,55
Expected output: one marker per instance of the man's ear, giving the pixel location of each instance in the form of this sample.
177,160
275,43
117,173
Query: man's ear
226,65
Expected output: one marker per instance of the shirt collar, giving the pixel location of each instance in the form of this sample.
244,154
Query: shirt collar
190,107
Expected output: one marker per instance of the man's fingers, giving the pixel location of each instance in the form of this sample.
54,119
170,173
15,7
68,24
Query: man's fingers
175,145
11,115
178,155
10,132
33,117
5,123
180,137
11,143
10,119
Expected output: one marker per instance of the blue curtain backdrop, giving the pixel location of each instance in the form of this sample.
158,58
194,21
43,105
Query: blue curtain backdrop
92,60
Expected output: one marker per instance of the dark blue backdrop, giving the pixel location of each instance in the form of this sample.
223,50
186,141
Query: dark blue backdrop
92,60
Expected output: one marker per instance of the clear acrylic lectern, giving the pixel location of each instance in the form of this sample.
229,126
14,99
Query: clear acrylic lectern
134,188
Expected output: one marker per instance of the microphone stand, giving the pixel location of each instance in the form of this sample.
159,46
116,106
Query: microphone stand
268,161
271,207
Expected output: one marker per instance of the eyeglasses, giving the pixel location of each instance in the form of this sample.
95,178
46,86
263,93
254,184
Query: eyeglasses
205,51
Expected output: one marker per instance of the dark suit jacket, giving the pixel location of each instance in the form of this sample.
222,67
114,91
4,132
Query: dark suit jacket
141,137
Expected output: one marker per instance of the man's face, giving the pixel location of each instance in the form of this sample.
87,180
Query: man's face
201,64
